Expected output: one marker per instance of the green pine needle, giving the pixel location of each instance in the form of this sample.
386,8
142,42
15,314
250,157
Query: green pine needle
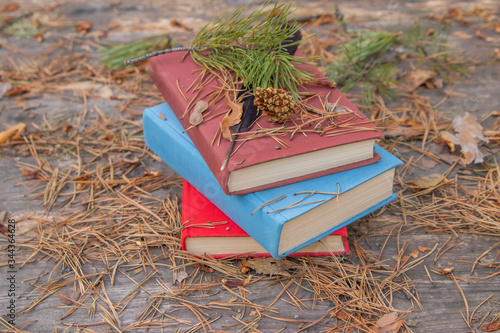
253,46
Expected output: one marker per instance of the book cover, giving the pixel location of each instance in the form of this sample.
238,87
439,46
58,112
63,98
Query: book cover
207,230
274,217
347,144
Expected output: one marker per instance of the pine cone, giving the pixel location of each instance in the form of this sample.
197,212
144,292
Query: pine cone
275,103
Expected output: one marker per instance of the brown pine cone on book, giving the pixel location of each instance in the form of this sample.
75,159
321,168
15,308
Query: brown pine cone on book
275,103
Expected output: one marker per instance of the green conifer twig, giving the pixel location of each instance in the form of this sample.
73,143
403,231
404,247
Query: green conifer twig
254,46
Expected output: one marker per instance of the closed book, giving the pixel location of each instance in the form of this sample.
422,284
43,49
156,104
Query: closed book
258,164
284,219
208,231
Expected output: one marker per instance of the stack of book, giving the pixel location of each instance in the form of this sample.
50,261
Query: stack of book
277,195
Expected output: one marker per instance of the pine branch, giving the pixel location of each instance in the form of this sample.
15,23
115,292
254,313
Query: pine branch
156,53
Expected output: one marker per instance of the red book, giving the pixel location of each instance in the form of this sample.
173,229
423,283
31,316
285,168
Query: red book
258,165
208,231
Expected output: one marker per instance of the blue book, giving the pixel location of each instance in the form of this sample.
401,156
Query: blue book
284,219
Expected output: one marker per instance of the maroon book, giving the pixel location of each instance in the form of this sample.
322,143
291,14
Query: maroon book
208,231
263,163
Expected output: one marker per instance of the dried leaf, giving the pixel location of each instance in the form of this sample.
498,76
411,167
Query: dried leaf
429,164
469,136
415,78
4,88
462,35
197,115
83,27
341,315
181,276
480,35
233,118
9,7
113,25
414,254
267,266
17,91
389,323
64,298
423,249
491,327
4,230
429,181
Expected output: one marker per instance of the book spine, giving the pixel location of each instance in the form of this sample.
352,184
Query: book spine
165,138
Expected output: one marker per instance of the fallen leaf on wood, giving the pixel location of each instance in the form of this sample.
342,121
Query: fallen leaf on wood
64,298
491,327
423,249
4,230
462,35
196,116
17,91
18,129
113,25
429,181
4,88
83,27
496,54
389,323
469,136
415,78
429,164
233,118
480,35
181,276
340,315
267,266
9,7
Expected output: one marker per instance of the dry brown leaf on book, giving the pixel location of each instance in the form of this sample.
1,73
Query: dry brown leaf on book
196,117
469,135
232,118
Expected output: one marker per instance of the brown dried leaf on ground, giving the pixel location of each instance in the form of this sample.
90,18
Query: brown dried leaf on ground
389,323
462,35
267,266
491,327
428,181
4,230
469,135
415,78
64,298
9,7
232,118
